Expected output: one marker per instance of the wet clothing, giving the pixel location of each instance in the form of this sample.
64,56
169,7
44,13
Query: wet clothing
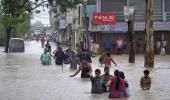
67,56
85,72
158,46
145,83
59,56
124,48
119,44
107,61
48,46
85,56
42,41
74,61
45,58
126,83
85,69
127,88
163,52
107,45
97,85
107,65
163,48
128,92
105,78
121,92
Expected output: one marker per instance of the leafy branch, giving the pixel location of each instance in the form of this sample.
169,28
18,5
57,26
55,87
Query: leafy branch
38,5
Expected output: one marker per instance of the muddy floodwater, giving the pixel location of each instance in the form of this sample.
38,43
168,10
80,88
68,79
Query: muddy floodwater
22,77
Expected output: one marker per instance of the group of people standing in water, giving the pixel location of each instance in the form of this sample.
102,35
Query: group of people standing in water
116,84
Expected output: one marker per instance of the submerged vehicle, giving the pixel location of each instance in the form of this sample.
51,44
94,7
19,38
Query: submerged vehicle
16,45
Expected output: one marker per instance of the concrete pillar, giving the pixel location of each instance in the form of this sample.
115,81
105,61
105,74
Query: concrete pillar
127,2
98,5
163,11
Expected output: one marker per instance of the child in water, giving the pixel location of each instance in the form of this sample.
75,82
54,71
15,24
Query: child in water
107,60
145,82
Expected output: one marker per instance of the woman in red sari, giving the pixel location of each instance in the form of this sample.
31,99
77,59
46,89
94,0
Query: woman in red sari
117,86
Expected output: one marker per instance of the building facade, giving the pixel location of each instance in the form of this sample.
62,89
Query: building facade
161,18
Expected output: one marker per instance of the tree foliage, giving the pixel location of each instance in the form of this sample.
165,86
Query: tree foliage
66,4
14,11
2,34
13,14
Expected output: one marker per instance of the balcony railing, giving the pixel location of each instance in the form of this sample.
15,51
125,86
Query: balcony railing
168,16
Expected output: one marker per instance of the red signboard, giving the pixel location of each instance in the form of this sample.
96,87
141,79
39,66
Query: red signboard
104,18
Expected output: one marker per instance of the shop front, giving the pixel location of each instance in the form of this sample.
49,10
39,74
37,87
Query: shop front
111,32
119,30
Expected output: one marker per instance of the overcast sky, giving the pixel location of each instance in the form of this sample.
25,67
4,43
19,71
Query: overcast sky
43,16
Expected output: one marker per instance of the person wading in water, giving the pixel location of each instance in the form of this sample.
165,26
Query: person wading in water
85,69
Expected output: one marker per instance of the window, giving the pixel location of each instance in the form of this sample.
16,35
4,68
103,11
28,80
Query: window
113,5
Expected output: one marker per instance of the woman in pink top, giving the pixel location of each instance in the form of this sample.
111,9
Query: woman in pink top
107,60
117,86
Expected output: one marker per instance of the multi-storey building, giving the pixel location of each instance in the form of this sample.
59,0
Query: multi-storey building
64,24
161,18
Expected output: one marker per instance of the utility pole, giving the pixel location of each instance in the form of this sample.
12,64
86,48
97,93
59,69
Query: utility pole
149,40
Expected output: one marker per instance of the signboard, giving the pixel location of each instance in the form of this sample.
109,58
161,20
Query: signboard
117,27
128,10
104,18
123,27
62,24
158,26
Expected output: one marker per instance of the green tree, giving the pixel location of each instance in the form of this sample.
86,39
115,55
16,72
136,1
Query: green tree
14,12
22,28
67,4
2,34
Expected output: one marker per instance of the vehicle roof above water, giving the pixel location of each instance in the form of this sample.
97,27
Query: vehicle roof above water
17,39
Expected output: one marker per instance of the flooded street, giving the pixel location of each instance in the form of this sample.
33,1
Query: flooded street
22,77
